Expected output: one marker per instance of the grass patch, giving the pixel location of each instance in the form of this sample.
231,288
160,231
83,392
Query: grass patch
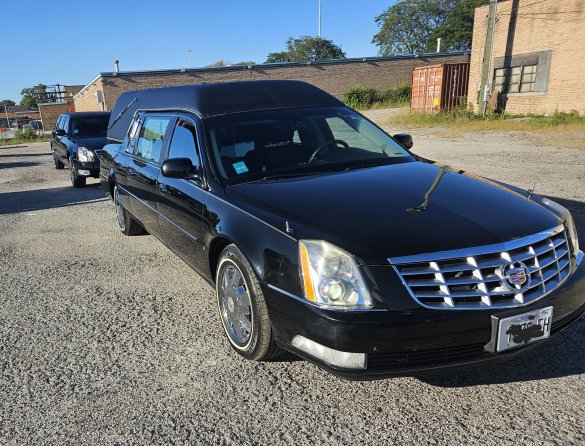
462,121
362,98
26,135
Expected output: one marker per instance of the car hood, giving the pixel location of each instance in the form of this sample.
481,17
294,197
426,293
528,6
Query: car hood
395,210
95,143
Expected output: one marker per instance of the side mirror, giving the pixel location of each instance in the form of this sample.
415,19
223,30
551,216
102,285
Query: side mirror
404,140
177,168
60,132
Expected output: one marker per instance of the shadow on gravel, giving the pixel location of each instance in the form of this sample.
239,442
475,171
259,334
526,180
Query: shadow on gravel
35,200
18,164
23,155
560,357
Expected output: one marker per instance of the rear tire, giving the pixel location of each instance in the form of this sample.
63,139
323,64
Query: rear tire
242,307
128,225
76,180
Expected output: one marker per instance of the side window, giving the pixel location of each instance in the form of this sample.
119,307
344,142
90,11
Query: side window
65,123
58,124
183,143
151,139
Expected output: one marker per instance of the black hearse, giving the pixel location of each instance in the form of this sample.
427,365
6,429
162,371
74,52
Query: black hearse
77,141
326,237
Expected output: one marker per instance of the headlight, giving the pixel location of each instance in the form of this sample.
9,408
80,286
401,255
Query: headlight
85,155
331,276
569,222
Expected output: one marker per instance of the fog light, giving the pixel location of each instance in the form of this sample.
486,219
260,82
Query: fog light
83,172
346,360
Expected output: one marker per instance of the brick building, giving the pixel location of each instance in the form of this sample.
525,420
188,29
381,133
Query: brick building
538,56
336,77
17,114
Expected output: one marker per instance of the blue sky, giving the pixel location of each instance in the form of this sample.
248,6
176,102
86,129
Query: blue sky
70,42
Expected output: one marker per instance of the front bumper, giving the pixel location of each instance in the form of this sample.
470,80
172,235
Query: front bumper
86,169
415,342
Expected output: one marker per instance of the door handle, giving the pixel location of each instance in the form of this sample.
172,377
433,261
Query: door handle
162,187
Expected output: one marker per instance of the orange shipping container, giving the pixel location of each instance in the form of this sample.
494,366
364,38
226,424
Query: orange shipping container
439,87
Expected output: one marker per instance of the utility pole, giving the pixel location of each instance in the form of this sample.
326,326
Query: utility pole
319,29
7,120
484,87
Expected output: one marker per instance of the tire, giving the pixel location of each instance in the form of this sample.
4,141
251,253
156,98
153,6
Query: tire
128,225
239,296
58,164
76,180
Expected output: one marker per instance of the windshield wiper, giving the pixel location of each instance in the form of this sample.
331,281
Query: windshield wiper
283,176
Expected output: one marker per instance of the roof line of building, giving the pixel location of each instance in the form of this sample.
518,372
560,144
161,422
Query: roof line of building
269,65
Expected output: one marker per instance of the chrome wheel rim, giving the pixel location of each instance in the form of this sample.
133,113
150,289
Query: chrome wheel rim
235,305
119,209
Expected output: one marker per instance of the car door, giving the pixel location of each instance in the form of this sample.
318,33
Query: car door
54,138
181,201
144,169
61,141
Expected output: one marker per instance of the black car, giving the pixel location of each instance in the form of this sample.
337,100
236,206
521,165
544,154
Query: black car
77,142
326,237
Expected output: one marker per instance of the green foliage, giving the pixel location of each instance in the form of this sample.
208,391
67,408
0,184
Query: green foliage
7,102
465,119
413,26
25,134
226,63
307,49
32,96
365,98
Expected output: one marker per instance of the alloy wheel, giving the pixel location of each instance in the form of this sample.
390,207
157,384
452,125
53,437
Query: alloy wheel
235,305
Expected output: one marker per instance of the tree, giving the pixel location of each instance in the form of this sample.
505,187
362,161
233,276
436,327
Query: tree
31,96
457,29
226,63
307,49
7,102
413,26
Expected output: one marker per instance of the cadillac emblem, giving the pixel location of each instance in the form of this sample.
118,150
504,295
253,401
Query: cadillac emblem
515,276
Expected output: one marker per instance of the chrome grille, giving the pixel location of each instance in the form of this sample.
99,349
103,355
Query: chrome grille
477,278
98,153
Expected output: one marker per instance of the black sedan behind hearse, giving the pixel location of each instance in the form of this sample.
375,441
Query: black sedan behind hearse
326,237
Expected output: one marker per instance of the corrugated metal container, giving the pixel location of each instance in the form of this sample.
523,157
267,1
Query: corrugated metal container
439,87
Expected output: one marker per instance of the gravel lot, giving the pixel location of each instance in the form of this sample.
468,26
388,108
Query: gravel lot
110,340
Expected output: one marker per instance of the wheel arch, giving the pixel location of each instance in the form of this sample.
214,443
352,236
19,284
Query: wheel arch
217,245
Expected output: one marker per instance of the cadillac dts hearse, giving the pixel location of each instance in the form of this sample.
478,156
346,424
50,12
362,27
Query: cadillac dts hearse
327,237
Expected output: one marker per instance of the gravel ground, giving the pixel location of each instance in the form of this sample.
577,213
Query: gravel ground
110,340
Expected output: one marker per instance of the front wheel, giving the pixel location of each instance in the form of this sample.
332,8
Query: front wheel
58,164
76,180
128,225
242,307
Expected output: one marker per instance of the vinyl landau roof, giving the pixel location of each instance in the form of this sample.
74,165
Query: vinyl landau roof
207,100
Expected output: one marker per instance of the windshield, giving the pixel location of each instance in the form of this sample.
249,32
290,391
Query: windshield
288,142
90,126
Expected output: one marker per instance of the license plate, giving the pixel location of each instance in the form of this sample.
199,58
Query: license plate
523,329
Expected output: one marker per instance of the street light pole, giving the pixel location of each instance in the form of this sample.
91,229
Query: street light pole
189,51
319,29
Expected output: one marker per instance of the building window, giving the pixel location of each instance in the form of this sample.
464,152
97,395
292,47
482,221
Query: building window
515,79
